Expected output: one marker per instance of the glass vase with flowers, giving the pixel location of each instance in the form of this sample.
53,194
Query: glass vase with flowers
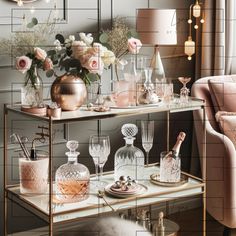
23,48
123,40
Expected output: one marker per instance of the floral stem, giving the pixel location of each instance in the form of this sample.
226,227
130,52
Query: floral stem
116,71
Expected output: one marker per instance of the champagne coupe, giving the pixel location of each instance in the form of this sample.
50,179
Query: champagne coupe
184,91
147,130
99,149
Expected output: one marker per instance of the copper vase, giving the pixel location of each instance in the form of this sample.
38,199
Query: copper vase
69,92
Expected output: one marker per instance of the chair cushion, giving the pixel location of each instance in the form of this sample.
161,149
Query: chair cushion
227,123
223,94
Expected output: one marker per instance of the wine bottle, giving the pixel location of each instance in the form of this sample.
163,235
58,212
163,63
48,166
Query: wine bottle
180,139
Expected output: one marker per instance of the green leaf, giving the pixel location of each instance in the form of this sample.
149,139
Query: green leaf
92,77
103,38
50,73
51,52
60,38
133,33
34,21
30,25
74,63
107,46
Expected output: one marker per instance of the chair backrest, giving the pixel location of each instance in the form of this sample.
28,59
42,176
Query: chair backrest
200,89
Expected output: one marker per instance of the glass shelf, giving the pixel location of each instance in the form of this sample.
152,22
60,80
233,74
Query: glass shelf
93,205
83,114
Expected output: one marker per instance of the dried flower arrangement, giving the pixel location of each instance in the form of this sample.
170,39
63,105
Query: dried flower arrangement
121,40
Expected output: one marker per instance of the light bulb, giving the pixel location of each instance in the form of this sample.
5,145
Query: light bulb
202,21
197,10
47,1
32,10
190,21
195,26
189,47
20,3
189,58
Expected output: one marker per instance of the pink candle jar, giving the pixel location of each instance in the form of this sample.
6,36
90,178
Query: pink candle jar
34,175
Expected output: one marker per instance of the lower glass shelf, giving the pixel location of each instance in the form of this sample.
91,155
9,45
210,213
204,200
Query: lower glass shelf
94,205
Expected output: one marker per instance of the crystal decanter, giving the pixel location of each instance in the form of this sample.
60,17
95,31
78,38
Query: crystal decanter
129,160
72,178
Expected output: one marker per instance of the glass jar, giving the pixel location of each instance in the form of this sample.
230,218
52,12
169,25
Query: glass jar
170,167
129,160
32,91
72,178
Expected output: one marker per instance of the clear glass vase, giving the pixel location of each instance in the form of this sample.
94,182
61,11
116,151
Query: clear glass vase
129,160
72,178
32,91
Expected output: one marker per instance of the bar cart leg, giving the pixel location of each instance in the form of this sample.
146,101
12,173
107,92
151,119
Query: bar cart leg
5,170
204,171
50,169
168,131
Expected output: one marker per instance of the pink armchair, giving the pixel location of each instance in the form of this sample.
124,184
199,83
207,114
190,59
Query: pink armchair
220,158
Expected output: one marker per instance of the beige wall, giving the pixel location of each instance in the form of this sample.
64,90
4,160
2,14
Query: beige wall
79,19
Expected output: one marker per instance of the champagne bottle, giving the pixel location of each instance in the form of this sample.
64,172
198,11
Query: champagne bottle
180,139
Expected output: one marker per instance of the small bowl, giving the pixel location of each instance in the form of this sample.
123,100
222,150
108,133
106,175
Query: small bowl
54,112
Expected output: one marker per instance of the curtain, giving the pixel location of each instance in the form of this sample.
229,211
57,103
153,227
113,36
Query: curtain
216,51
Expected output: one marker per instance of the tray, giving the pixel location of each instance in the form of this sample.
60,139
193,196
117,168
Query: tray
160,102
155,179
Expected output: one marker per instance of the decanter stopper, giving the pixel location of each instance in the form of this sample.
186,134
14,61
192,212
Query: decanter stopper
72,145
129,130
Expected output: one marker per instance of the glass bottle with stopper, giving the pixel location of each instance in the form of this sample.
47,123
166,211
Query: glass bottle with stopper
148,95
129,160
170,163
72,178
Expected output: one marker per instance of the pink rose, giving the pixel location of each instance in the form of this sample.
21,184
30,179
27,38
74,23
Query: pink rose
40,54
94,64
48,65
78,49
23,63
134,45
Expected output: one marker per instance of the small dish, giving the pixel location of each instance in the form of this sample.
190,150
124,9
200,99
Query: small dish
155,179
140,189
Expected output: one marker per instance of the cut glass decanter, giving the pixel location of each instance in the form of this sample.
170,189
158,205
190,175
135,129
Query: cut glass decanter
129,160
72,178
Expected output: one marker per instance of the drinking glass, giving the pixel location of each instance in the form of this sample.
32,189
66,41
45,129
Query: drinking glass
147,131
99,149
184,91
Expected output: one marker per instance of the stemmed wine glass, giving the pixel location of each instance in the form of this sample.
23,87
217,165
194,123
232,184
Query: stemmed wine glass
99,149
184,91
147,131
